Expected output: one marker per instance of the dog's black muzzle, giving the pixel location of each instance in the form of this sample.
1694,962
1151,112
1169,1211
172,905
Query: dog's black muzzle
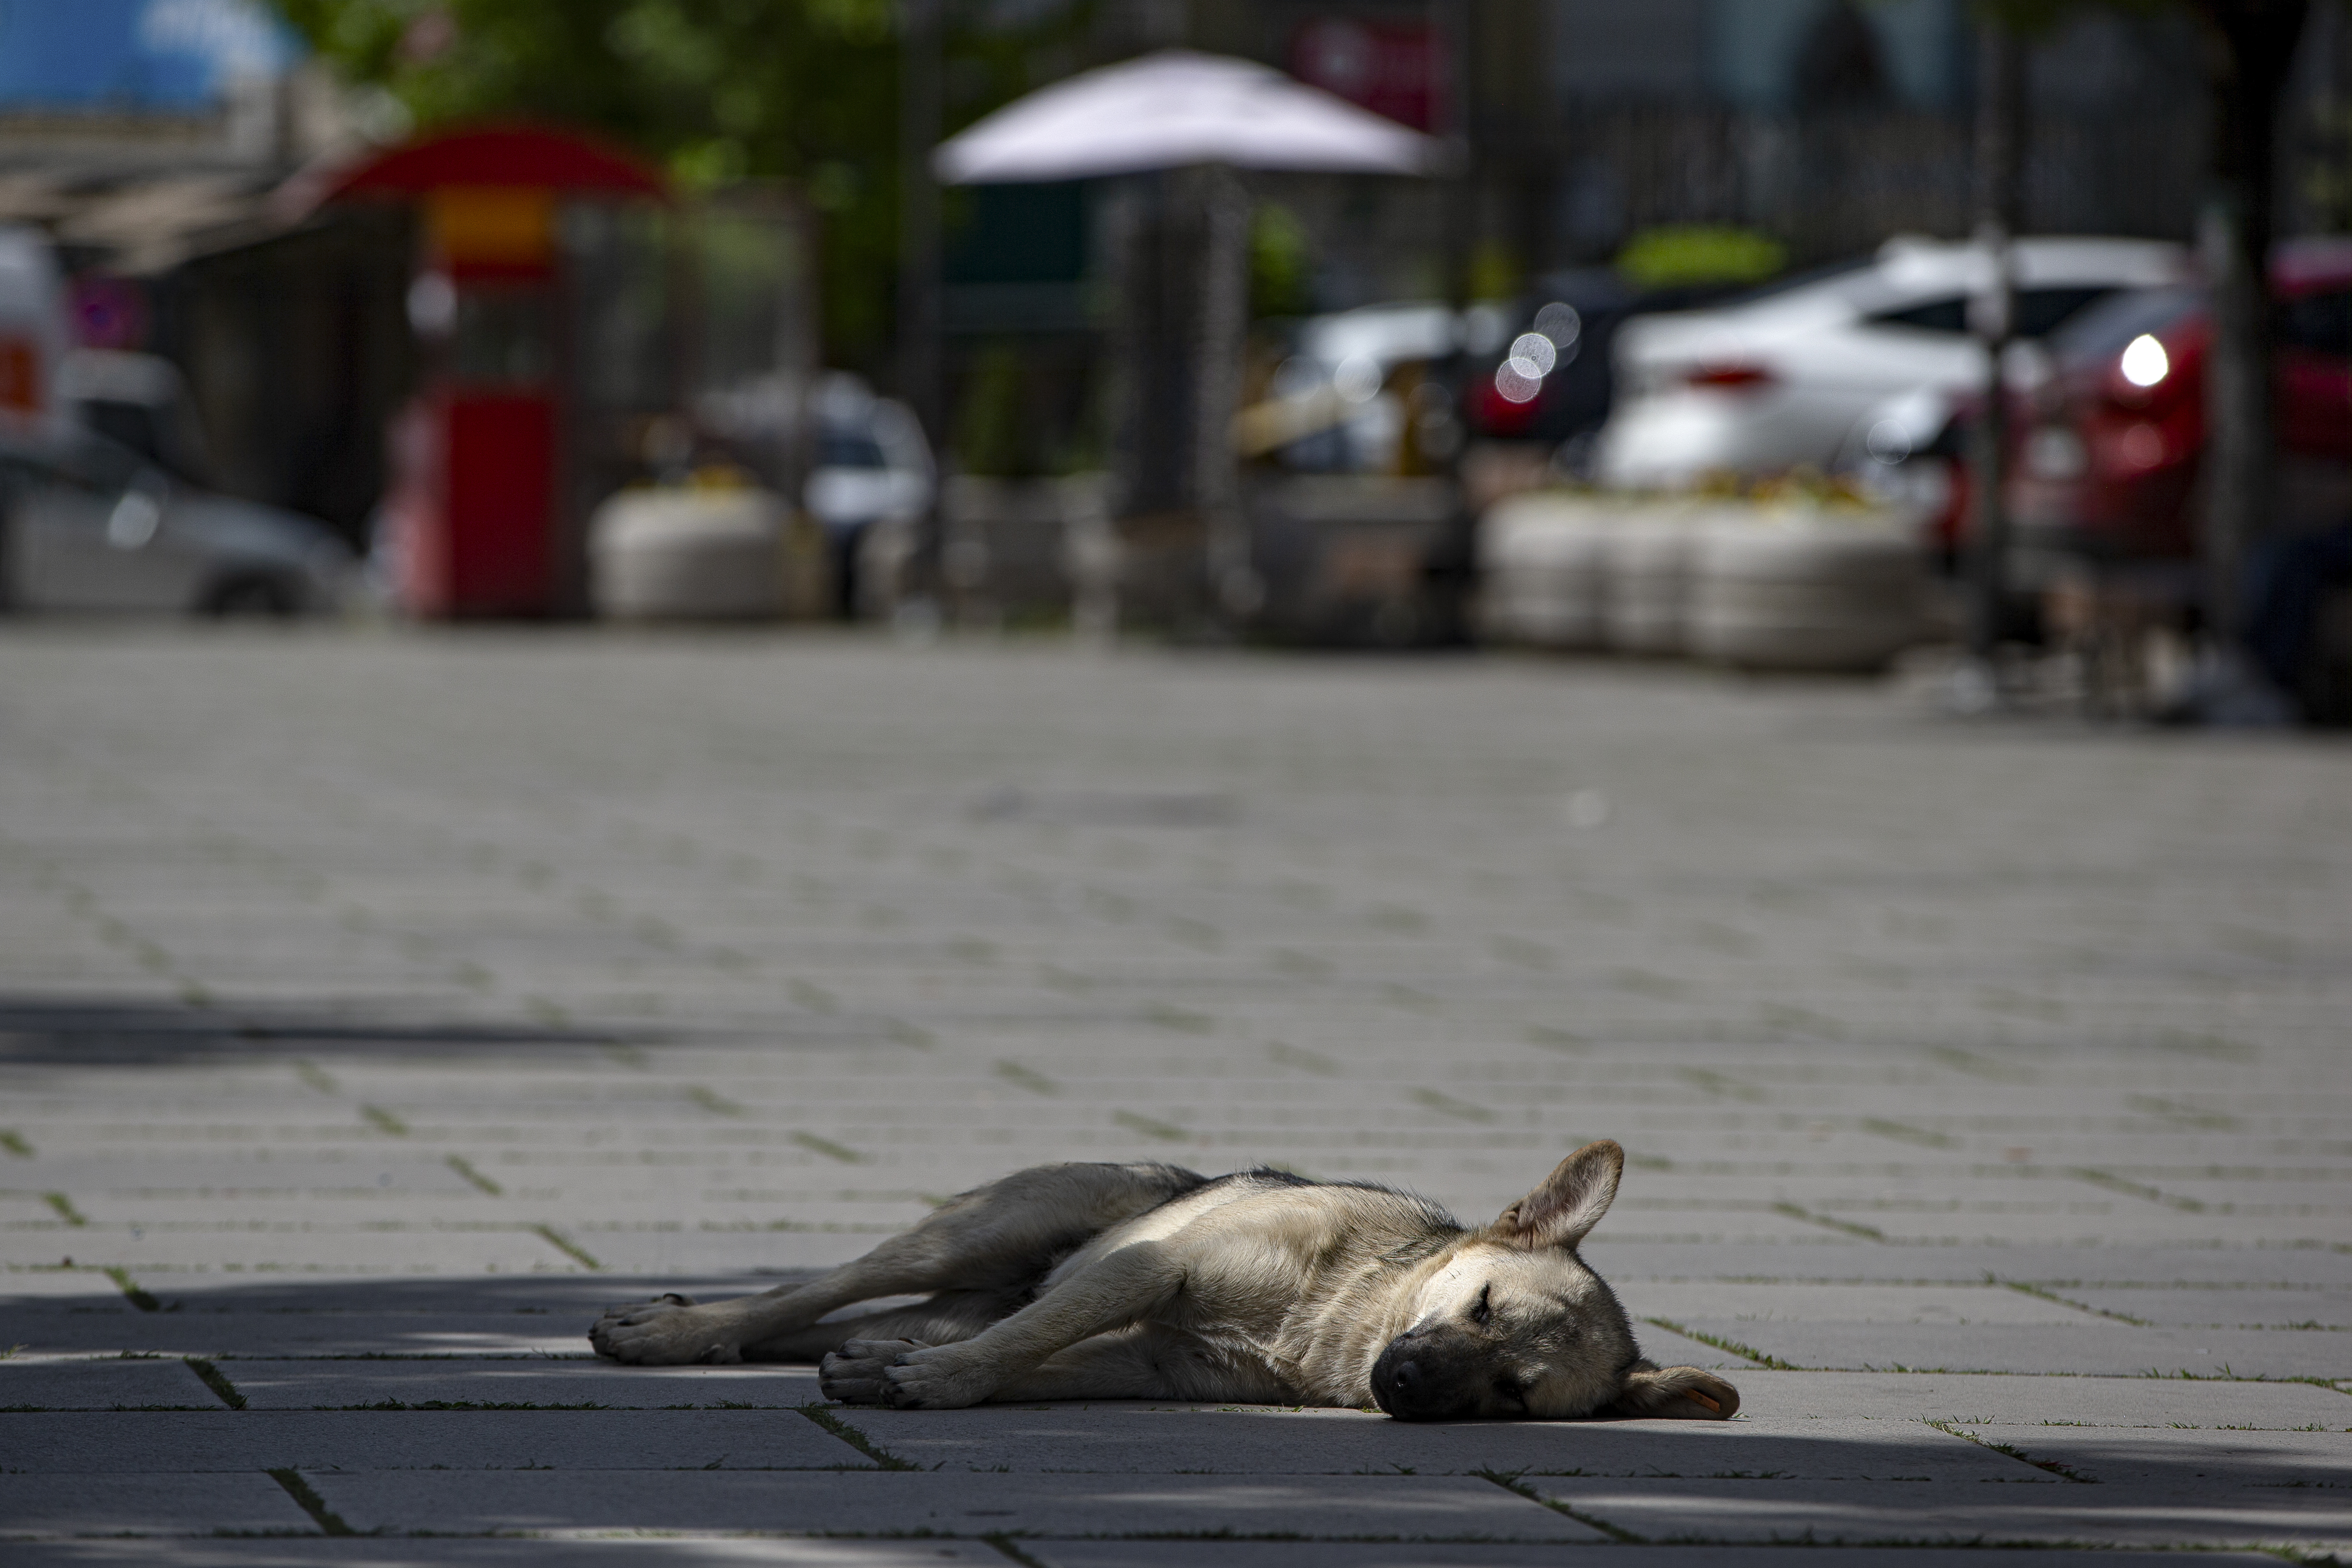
1428,1374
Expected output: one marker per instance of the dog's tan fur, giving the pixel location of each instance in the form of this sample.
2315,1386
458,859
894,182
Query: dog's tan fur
1145,1281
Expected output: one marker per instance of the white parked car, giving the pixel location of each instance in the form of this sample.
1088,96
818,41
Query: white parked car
87,524
1778,378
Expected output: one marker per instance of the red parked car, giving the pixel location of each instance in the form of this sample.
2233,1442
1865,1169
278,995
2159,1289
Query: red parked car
2109,448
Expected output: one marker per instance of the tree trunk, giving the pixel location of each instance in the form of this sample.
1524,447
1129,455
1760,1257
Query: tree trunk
2249,49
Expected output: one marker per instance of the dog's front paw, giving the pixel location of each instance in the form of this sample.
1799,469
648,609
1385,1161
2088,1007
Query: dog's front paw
669,1331
852,1375
935,1379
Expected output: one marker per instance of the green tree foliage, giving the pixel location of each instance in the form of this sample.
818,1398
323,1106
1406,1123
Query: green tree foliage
714,89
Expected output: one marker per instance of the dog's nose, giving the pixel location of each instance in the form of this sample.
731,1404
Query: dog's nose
1400,1383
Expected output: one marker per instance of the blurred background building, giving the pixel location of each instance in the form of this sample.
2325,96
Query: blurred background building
1624,157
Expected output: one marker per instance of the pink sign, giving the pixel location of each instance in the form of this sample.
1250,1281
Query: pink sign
1394,68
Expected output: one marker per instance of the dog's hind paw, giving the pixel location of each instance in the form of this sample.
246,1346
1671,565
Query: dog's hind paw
852,1375
671,1330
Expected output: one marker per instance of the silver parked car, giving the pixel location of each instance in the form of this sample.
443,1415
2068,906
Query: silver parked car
85,524
1777,379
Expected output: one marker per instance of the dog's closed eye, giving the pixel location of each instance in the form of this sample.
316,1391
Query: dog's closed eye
1484,1309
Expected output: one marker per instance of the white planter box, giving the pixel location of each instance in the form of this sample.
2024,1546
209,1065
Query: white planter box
1790,585
694,555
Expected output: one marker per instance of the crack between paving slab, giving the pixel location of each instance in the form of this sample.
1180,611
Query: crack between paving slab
2065,1472
465,1168
385,1121
1867,1232
824,1416
1510,1482
828,1148
1732,1346
555,1238
305,1497
1004,1543
216,1380
2024,1289
2113,1183
131,1292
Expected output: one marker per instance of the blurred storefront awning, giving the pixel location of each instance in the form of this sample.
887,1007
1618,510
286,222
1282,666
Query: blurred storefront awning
139,224
1173,110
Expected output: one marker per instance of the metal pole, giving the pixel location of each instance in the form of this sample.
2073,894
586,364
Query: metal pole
1220,338
1452,29
918,269
2001,104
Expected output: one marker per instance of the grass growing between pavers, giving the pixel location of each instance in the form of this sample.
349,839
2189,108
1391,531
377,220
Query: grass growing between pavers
2023,1289
131,1290
465,1168
824,1416
305,1497
566,1246
1829,1222
215,1380
1731,1345
1510,1482
2065,1471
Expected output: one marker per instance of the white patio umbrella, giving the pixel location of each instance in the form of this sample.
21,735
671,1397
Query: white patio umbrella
1178,109
1173,110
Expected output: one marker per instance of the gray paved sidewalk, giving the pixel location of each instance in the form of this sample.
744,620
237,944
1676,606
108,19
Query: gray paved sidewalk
374,1007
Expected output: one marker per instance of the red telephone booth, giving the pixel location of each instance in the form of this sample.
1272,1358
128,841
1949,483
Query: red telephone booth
540,306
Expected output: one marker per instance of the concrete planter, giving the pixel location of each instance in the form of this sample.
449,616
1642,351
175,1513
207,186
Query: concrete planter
1543,572
680,554
1788,585
1806,589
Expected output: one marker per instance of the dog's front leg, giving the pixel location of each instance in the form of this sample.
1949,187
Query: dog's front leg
1110,1294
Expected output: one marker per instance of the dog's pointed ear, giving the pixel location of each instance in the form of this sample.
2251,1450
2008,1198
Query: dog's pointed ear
1674,1393
1570,1203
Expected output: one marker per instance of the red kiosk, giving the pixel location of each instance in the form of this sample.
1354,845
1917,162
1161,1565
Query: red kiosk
541,304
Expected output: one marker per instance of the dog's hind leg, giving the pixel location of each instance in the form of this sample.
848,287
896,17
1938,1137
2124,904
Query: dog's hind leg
945,1318
1107,1293
1003,1235
1122,1365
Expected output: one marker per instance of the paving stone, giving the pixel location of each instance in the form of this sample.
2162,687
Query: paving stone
717,955
2091,1346
151,1504
110,1384
2186,1464
297,1333
57,1290
319,1247
1328,1554
422,1439
2165,1402
2246,1307
704,1551
1114,1438
564,1298
2055,1512
1967,1264
346,1385
1394,1507
1693,1302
